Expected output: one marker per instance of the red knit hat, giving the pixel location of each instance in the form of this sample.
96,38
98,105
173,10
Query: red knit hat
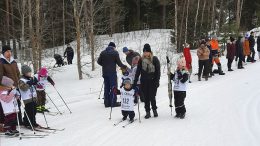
43,72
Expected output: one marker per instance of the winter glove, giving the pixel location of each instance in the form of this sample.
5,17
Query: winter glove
135,100
115,90
31,82
236,59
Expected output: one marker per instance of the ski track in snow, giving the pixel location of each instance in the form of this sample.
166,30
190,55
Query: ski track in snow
223,111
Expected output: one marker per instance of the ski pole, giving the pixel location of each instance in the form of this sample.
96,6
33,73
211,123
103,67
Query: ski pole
101,90
138,102
112,99
53,103
17,117
62,99
45,119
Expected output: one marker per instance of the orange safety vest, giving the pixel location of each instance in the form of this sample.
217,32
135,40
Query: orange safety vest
214,45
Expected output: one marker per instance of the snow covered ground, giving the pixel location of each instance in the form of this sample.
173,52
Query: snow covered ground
223,111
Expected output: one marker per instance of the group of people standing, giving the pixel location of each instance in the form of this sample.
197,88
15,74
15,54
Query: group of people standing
26,90
144,82
142,79
241,50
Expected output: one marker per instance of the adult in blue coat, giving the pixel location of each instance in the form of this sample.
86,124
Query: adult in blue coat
108,59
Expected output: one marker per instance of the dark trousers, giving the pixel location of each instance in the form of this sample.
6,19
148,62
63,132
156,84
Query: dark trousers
69,61
41,98
110,81
229,64
240,65
2,115
141,94
20,113
203,64
10,122
149,90
179,97
30,109
131,114
252,53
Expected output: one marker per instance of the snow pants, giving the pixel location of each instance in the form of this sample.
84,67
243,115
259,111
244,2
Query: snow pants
110,81
149,90
179,97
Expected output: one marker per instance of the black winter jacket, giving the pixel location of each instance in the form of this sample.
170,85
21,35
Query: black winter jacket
149,76
258,43
108,59
251,42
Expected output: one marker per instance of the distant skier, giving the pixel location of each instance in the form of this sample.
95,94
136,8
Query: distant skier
130,54
150,71
180,78
127,99
69,53
188,59
231,52
258,46
108,59
252,45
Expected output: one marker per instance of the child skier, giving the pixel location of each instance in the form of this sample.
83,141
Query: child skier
43,78
180,78
127,99
8,100
125,75
28,95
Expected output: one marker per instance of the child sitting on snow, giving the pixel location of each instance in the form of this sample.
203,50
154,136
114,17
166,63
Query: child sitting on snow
28,95
43,78
127,99
9,105
180,78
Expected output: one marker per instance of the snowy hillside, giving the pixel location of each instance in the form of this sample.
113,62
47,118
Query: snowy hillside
223,111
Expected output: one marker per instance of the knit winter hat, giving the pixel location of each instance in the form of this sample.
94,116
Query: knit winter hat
25,69
127,81
7,82
5,48
112,44
43,72
147,48
125,49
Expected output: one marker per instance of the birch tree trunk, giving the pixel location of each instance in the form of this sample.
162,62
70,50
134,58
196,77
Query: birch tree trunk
32,38
78,35
186,24
38,35
196,18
